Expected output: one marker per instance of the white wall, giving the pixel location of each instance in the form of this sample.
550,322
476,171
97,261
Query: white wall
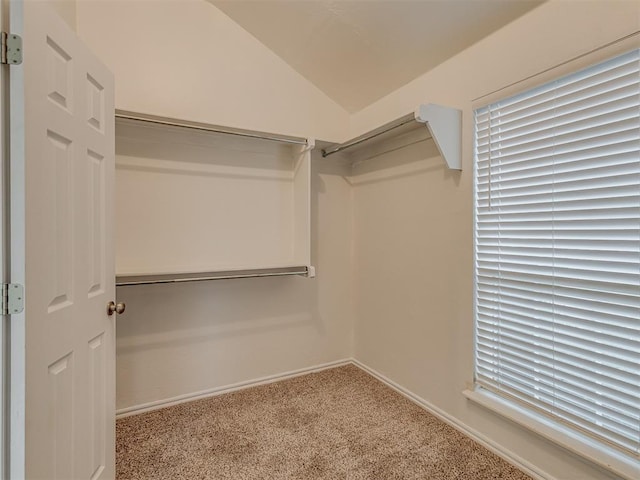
413,223
179,339
67,10
185,59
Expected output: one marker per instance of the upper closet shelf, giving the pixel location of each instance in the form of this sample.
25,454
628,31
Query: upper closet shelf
444,126
206,127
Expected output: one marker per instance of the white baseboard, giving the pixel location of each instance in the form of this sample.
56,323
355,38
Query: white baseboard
499,450
212,392
486,442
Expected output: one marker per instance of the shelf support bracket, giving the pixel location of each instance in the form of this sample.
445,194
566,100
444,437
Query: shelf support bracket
445,126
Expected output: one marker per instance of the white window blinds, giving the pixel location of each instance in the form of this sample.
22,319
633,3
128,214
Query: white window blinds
557,250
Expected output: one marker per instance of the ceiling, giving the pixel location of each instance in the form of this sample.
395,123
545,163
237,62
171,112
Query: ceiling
359,51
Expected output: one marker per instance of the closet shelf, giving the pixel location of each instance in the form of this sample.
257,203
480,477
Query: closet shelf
151,279
444,126
207,127
198,202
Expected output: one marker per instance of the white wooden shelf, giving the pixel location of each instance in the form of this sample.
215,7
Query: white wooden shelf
443,125
203,202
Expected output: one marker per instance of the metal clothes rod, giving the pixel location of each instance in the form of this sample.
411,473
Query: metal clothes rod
153,279
370,135
205,127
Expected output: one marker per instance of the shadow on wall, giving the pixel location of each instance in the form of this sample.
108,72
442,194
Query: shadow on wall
383,160
182,145
414,158
206,312
185,313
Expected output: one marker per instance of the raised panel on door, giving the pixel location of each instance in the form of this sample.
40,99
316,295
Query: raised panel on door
99,426
59,75
60,403
57,185
96,223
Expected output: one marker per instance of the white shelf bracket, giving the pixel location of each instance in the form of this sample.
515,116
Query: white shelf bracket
311,271
445,126
311,144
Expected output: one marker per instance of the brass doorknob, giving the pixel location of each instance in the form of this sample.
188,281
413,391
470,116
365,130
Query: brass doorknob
112,308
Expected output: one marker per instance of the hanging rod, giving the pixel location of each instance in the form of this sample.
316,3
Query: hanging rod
388,127
444,126
152,279
205,127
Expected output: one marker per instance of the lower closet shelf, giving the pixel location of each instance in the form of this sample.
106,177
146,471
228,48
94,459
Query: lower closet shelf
150,279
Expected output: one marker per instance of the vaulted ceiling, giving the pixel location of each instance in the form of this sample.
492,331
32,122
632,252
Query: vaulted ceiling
359,51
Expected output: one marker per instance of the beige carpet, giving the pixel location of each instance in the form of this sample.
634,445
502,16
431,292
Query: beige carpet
336,424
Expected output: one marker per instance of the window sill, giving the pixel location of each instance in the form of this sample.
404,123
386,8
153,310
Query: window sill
597,453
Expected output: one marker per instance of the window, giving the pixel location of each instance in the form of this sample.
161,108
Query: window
557,250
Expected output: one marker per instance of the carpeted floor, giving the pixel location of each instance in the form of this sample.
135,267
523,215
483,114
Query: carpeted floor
336,424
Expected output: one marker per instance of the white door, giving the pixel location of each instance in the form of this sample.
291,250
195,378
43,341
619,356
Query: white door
62,172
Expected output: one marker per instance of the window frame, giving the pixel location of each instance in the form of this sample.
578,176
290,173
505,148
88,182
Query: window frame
602,455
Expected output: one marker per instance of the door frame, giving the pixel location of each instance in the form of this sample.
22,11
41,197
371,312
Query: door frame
13,271
4,330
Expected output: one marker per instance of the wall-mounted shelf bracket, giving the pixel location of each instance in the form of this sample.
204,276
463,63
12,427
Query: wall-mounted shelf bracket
445,126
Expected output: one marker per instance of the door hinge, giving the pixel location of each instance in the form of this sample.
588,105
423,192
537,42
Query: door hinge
12,300
11,53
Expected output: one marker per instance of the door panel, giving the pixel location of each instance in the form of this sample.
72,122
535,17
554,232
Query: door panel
62,184
96,223
98,379
57,185
60,448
